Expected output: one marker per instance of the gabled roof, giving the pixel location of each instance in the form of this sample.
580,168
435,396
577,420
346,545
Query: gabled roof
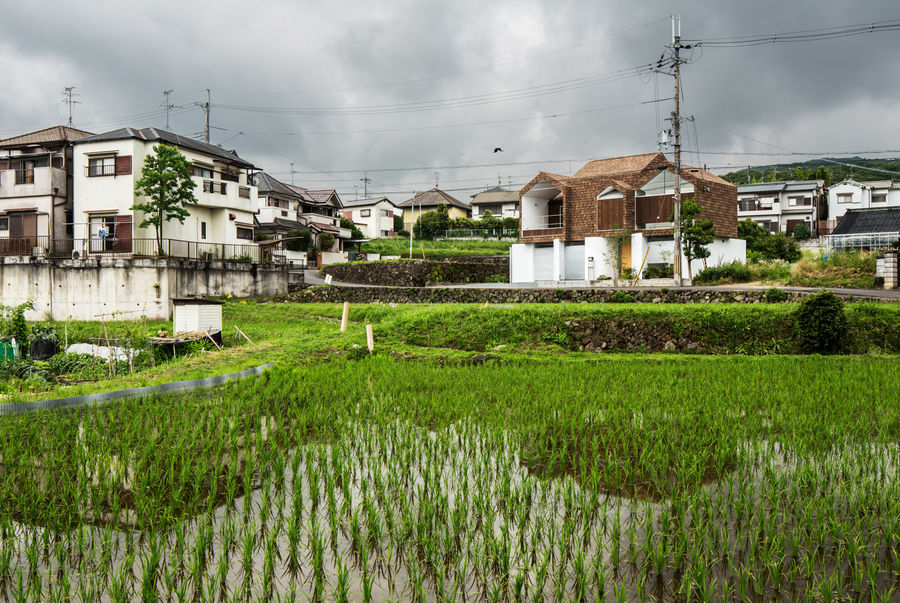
169,138
869,221
617,165
495,196
760,187
493,189
47,136
266,184
366,202
803,185
433,198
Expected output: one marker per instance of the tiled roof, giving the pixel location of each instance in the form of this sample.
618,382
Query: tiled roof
493,196
266,184
52,135
366,202
869,221
321,226
158,135
433,198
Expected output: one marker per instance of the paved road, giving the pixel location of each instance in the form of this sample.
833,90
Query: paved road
312,277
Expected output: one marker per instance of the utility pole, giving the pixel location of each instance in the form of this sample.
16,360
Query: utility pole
676,127
69,99
436,178
166,93
292,172
207,114
365,180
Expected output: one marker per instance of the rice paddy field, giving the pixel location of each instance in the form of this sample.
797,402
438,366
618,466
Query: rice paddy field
626,478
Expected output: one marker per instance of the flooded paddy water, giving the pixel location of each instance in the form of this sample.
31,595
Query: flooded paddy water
258,493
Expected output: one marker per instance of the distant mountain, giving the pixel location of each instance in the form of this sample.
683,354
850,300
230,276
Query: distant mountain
829,169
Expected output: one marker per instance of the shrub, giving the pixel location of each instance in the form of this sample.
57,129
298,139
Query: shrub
820,324
497,278
735,272
776,295
659,271
299,240
326,241
802,232
622,297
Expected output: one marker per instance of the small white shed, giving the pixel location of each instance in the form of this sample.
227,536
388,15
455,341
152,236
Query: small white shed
192,314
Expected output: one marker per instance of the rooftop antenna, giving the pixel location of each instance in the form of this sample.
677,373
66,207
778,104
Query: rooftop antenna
292,172
69,99
436,179
166,93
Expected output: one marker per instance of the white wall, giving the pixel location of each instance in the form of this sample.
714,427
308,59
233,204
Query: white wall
574,262
82,289
521,263
722,251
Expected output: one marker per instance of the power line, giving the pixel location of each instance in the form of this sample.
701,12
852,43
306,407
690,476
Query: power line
805,35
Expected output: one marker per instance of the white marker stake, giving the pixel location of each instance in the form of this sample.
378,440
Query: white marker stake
327,279
345,316
370,338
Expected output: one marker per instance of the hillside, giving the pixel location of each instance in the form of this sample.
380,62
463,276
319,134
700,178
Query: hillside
829,169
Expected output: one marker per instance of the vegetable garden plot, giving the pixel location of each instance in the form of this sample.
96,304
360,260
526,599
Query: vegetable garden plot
407,480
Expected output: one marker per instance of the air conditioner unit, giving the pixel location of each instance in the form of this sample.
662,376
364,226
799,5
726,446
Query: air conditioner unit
37,252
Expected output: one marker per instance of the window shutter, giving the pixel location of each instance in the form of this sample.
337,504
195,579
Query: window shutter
123,165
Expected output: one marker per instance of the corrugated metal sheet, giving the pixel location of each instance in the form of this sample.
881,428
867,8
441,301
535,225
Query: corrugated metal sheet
761,187
54,135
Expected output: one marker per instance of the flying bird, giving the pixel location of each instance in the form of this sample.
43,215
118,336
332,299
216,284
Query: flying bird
498,150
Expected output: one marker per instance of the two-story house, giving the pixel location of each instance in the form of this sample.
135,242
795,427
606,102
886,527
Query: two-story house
614,216
784,205
430,200
500,202
374,216
285,207
36,191
106,168
869,194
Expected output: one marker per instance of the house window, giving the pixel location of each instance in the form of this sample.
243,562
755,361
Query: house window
385,233
879,198
202,230
796,201
4,223
26,174
102,166
202,172
365,213
845,198
385,213
245,233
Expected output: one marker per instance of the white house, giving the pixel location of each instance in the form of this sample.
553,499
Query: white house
373,216
284,208
870,194
782,206
499,201
106,168
35,191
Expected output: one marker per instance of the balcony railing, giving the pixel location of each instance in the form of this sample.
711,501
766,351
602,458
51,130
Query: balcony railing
134,248
106,169
754,206
215,186
25,176
244,191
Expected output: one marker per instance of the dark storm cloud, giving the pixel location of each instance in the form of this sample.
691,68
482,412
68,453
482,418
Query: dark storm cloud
822,96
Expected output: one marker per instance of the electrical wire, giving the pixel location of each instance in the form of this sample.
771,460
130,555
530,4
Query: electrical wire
805,35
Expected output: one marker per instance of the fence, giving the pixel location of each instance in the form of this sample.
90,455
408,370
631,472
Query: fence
479,233
860,241
131,248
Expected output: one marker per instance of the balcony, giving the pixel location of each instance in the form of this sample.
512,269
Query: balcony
32,182
225,195
753,207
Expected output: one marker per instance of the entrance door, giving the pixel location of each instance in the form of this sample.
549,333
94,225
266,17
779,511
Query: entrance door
626,257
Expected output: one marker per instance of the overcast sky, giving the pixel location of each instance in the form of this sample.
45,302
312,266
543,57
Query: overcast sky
339,88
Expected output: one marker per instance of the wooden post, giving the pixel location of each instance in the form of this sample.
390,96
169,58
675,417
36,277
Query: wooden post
345,316
370,338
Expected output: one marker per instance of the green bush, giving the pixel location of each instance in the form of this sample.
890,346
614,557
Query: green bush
622,297
735,272
820,324
497,278
802,232
776,295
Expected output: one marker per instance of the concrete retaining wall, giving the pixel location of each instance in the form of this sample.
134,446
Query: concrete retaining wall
132,288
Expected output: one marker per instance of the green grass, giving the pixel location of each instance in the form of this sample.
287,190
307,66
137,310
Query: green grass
437,249
846,269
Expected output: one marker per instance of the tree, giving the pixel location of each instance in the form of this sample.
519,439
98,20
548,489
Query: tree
326,241
166,182
431,223
696,234
398,223
801,232
355,233
299,240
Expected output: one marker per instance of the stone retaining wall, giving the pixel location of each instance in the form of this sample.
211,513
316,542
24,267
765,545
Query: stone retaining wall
418,273
515,296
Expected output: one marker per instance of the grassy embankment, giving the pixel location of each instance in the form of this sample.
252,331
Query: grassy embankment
437,249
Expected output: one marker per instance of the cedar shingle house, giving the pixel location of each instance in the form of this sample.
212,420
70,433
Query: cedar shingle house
571,227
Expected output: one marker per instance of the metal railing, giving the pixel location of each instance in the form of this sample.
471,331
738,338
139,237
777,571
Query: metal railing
753,205
135,248
215,186
479,233
880,240
100,169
